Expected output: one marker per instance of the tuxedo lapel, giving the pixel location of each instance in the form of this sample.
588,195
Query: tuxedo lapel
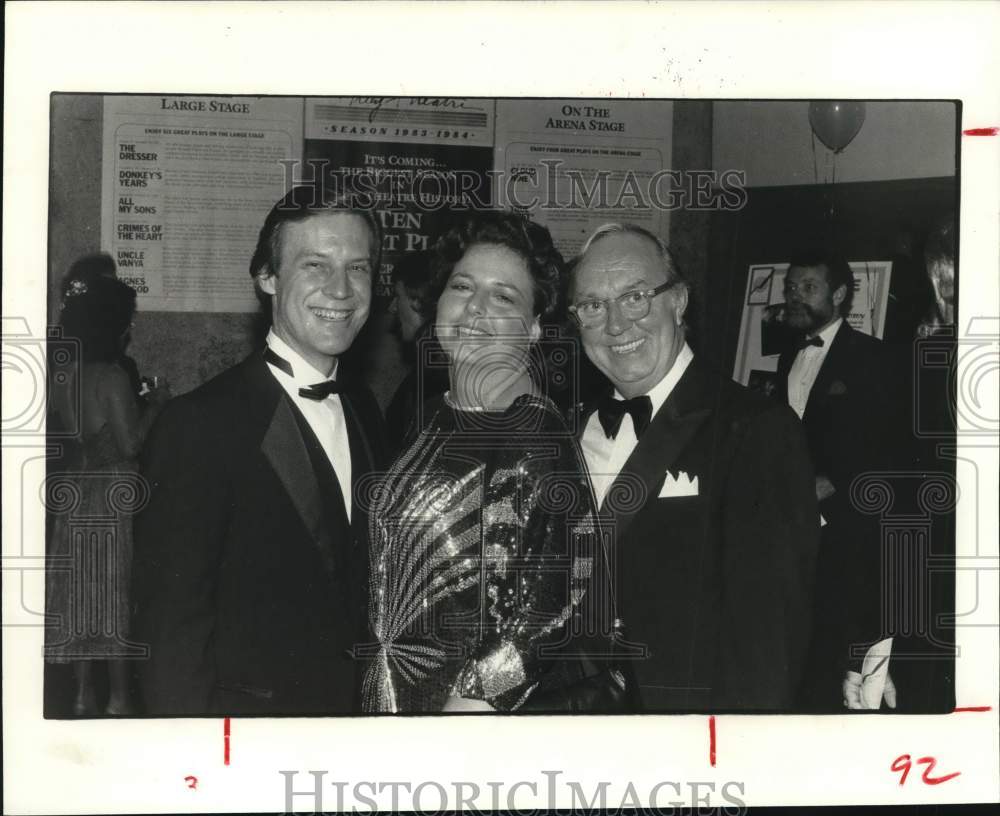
678,419
362,461
285,450
833,364
785,362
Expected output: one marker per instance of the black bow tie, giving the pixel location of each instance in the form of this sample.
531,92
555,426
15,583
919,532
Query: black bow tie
318,391
611,411
805,342
321,390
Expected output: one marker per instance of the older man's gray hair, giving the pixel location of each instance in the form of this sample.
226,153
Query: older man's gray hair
673,271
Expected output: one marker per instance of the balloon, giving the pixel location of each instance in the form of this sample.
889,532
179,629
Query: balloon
836,123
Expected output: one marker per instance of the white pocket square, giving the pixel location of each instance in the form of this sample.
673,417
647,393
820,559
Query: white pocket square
681,485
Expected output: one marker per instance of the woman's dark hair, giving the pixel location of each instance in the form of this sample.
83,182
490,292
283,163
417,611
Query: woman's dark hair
98,263
97,310
516,232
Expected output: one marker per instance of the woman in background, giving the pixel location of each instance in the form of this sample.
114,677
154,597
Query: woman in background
88,576
482,534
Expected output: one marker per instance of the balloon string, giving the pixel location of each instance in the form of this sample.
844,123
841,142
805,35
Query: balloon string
815,164
833,183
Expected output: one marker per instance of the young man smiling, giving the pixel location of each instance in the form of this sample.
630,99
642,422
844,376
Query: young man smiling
251,560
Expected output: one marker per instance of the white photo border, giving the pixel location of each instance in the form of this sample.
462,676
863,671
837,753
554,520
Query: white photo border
676,50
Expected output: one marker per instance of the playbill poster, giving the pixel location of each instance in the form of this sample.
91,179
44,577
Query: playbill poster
418,158
573,164
187,181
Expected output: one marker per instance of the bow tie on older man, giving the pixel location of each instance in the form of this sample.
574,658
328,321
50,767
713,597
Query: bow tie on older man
805,342
611,412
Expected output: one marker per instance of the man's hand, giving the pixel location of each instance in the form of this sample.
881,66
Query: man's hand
857,698
824,488
465,705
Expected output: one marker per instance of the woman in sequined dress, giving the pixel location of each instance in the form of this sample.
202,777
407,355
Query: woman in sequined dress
482,535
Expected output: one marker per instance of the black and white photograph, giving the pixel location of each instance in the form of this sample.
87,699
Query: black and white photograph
233,531
469,412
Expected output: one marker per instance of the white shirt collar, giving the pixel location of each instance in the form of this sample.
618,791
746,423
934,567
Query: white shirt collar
830,332
303,372
658,393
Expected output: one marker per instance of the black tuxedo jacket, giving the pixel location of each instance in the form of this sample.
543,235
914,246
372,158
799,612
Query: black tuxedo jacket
249,581
716,587
852,423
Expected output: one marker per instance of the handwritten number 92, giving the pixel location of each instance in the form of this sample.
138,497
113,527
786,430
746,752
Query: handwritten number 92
902,764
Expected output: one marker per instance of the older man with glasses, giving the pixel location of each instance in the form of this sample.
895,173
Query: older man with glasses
706,490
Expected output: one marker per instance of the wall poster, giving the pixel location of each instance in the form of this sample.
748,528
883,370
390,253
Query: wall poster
417,157
186,184
576,164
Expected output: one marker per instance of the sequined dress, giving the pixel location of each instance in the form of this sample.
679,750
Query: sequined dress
482,541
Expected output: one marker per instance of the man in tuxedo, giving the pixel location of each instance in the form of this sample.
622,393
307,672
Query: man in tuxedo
705,488
839,382
250,568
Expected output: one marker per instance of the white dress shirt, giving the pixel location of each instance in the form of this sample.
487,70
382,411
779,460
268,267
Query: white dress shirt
325,417
806,366
606,457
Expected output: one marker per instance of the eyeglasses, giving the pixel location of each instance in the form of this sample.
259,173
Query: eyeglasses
634,305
